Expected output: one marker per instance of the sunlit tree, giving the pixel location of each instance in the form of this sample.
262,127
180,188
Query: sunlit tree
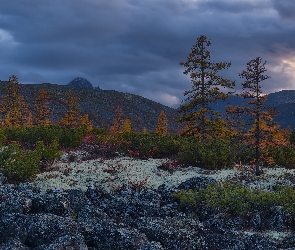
127,126
263,126
86,122
71,117
208,87
15,108
42,109
162,124
144,130
118,121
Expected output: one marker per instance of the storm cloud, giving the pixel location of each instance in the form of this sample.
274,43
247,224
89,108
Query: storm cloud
136,46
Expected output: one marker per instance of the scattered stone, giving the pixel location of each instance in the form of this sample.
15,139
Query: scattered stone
147,219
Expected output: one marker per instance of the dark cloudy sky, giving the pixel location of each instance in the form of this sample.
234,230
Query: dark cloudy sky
135,46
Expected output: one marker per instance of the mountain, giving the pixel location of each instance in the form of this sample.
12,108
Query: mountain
82,83
101,105
283,101
281,97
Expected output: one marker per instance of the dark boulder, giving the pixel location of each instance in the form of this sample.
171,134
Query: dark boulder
197,183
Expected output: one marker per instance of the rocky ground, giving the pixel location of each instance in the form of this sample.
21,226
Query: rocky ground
126,203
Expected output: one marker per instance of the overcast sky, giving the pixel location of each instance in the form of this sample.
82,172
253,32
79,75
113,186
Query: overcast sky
135,46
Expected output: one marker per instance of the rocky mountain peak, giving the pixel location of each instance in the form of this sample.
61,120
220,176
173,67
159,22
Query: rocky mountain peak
81,82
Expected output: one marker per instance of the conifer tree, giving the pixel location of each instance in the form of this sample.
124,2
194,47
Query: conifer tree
85,122
206,89
15,108
144,130
127,126
162,124
30,122
42,108
263,125
118,121
71,118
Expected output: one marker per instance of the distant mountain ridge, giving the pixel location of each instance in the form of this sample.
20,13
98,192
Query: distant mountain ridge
101,105
283,101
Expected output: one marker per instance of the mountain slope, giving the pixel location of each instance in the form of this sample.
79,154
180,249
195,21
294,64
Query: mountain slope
101,105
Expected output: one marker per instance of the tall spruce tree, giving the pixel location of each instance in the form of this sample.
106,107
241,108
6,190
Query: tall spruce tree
206,90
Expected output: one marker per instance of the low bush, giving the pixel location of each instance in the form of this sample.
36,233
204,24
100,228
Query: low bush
215,153
237,199
29,136
188,151
50,152
19,165
2,137
283,156
148,145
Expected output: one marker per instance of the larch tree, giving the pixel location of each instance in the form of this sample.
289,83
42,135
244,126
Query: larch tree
15,108
206,90
86,122
118,121
263,127
71,118
162,124
30,121
144,130
42,109
127,126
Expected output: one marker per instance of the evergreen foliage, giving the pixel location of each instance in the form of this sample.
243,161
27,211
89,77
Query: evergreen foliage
263,125
127,126
206,90
237,199
118,121
42,108
14,108
71,118
18,165
162,124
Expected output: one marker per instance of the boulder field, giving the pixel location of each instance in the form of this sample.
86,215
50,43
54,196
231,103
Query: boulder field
147,219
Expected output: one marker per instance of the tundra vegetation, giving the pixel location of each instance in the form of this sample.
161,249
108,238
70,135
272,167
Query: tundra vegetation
211,140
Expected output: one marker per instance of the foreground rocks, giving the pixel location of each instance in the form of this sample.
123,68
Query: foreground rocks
147,219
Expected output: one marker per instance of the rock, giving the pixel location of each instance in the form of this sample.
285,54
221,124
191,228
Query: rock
172,233
14,244
224,222
66,242
81,83
224,240
147,219
152,246
258,242
197,183
3,179
54,201
279,219
103,235
288,243
255,221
